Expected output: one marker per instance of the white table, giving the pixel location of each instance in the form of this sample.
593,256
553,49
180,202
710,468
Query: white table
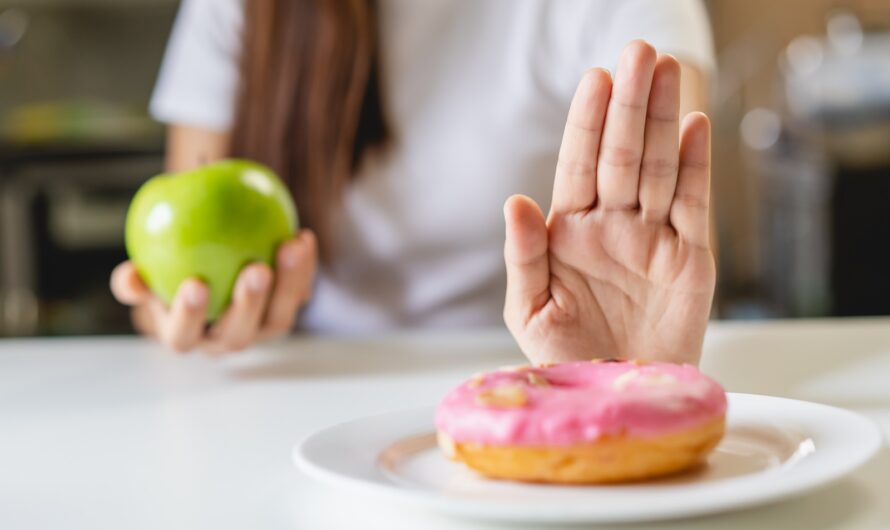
115,433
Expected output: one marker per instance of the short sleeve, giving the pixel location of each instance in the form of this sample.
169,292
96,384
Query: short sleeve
199,76
678,27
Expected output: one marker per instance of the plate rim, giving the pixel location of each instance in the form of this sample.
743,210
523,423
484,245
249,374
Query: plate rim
495,511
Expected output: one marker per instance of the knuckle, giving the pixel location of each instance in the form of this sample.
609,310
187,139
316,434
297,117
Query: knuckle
583,126
659,167
238,344
573,166
213,348
273,333
177,344
621,157
690,201
655,215
252,300
246,302
699,165
179,348
662,119
636,107
278,326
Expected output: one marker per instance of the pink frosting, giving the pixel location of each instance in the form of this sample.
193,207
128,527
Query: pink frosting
580,402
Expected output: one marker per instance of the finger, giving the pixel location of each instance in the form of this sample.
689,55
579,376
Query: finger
127,286
574,187
525,254
294,273
144,321
182,327
621,149
689,210
238,327
658,171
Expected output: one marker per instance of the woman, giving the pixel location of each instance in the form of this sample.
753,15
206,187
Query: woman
402,127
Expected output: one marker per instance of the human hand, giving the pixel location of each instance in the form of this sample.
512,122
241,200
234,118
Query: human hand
622,266
264,303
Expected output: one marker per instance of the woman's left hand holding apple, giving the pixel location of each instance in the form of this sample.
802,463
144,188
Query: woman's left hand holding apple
264,302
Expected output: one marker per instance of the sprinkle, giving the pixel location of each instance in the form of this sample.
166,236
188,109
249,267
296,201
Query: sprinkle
476,381
515,368
536,379
621,382
642,380
446,444
657,380
511,395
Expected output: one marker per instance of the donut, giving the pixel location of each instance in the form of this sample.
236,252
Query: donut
583,422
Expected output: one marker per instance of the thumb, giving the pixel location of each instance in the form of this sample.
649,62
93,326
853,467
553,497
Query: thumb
127,286
525,254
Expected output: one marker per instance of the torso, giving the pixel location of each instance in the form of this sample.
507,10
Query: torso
477,107
476,94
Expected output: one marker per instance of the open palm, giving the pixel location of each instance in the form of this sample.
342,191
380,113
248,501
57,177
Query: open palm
621,267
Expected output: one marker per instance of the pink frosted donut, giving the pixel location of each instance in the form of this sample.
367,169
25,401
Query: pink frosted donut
600,421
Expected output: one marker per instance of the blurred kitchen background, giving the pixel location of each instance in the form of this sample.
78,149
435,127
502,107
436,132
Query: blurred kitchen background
801,115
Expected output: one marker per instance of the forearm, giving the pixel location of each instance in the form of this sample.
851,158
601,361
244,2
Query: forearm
189,147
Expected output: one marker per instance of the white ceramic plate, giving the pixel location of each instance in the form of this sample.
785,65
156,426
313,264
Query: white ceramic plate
774,448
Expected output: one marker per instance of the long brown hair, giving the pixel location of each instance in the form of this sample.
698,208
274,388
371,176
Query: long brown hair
309,100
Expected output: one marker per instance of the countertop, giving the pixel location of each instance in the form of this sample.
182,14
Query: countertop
116,433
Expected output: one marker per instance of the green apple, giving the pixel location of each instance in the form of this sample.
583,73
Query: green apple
208,223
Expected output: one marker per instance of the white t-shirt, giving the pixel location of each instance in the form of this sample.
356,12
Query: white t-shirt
476,94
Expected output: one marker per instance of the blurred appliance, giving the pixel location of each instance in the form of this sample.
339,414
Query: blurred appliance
826,175
61,232
75,143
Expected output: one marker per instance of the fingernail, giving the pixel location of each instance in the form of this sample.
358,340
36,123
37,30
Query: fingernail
195,296
289,258
256,280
